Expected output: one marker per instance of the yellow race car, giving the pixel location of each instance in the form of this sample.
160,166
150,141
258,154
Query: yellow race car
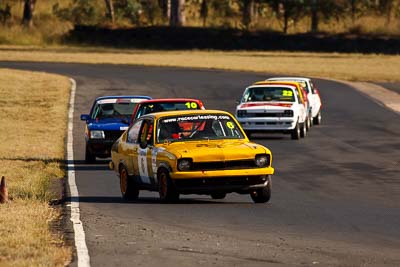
191,152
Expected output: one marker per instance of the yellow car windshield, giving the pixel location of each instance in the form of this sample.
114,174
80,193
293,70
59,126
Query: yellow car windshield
197,127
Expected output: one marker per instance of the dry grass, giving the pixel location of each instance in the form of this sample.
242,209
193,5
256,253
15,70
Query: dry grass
26,239
45,33
48,29
33,108
353,67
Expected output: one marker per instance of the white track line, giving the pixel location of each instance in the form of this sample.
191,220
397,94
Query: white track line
80,243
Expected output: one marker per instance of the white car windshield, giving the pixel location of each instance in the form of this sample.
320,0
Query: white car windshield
268,93
197,127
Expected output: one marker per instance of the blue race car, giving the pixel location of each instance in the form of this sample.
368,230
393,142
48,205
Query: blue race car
109,117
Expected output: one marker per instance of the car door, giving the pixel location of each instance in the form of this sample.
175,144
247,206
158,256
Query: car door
146,160
130,150
316,99
301,106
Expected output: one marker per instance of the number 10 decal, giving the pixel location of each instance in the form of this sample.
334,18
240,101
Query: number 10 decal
190,105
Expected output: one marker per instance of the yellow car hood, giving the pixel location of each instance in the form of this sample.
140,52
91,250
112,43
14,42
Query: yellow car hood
220,150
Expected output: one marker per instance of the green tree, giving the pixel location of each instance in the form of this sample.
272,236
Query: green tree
166,8
247,12
152,11
287,10
27,16
110,11
78,12
386,8
204,11
325,9
129,9
5,14
177,18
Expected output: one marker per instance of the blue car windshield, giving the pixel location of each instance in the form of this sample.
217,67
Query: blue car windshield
121,109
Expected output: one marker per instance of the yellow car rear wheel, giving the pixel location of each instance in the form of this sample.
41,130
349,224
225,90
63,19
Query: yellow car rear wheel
128,190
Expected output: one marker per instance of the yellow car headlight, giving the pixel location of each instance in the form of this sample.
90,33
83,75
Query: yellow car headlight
184,164
262,160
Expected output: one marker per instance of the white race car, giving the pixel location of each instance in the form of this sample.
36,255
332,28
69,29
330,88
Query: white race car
272,108
313,95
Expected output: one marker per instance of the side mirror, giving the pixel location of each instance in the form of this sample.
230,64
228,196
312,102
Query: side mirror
85,117
143,145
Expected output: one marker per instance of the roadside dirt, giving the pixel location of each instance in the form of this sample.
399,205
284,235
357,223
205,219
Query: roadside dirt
378,93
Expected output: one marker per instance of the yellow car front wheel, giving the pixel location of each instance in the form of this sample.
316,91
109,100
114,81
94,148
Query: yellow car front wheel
262,195
166,188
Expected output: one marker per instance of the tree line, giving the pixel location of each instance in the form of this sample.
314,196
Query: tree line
173,12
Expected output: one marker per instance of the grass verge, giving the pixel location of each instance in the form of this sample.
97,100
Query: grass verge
352,67
33,108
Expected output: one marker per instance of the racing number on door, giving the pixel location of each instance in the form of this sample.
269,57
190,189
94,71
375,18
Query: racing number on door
142,164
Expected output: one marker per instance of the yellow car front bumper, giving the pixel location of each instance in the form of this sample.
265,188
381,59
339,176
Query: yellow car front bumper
221,173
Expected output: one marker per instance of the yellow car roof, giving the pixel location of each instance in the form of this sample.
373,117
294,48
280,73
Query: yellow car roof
297,84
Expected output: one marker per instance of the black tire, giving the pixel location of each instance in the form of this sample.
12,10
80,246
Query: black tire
89,157
303,130
318,119
309,121
127,186
166,188
296,132
262,195
218,195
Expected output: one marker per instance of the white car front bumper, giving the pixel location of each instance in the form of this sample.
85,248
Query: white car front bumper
268,124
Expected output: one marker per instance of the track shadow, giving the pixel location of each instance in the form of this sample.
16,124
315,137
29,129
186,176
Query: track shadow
268,137
81,165
140,200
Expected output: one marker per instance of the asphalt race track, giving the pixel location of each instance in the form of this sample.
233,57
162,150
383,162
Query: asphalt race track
336,193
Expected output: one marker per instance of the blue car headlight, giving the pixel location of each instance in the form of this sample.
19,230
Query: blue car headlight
96,134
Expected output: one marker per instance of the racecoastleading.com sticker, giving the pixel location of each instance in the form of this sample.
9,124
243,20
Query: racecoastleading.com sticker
197,117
